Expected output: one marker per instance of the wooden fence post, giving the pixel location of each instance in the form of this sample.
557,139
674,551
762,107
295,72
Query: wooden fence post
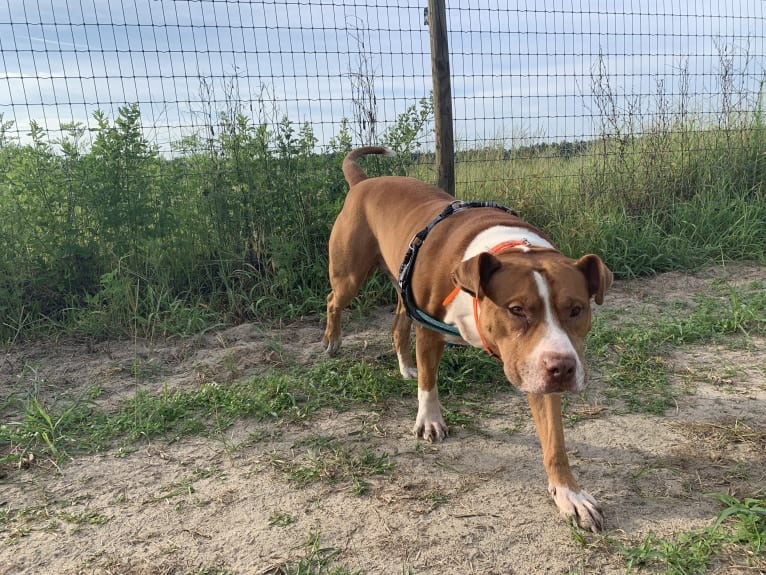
440,72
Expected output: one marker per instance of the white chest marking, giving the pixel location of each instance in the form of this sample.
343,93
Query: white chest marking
495,235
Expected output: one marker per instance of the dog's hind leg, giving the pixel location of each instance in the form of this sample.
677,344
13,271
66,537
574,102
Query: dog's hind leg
343,291
353,258
401,332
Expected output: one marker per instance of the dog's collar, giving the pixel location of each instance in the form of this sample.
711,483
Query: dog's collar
405,271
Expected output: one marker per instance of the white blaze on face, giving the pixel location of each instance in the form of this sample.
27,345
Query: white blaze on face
554,341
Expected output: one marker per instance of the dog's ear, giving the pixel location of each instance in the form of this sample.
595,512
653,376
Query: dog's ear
473,274
598,275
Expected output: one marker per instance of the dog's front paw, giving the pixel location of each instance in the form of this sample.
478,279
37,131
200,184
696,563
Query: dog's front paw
430,429
580,506
429,424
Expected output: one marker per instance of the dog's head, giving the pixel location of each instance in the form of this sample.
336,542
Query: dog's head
535,313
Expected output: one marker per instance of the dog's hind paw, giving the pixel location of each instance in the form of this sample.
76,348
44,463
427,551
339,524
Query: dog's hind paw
331,346
579,506
406,367
409,372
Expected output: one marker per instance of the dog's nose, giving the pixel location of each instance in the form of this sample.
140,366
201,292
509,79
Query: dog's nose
560,369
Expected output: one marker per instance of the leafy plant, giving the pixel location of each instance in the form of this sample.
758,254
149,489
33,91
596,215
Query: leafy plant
404,136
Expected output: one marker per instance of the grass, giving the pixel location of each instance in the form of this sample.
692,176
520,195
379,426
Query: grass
639,373
56,428
633,358
737,537
315,560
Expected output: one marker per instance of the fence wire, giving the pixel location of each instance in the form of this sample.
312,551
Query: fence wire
526,76
169,165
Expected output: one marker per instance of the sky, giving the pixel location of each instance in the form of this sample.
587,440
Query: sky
522,71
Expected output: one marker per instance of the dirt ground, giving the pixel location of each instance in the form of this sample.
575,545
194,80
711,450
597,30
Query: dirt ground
476,503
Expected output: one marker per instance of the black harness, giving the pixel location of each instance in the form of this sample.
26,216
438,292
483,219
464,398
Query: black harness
405,271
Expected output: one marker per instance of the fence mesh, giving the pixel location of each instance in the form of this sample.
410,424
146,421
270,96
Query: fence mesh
160,155
523,73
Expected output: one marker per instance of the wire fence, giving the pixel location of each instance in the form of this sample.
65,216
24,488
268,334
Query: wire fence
164,163
525,75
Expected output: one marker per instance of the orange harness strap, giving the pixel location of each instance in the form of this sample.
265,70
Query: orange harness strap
451,296
478,329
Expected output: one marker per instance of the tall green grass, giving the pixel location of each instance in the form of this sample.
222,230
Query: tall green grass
675,196
110,237
114,237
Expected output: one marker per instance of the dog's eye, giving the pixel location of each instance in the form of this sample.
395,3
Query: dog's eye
575,311
517,310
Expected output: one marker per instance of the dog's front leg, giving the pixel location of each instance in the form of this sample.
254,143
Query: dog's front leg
429,423
572,501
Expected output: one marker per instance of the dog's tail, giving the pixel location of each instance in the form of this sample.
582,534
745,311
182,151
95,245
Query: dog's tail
352,171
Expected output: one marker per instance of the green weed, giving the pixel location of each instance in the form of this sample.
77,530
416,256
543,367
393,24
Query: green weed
746,521
737,536
278,519
47,430
327,460
436,498
87,517
317,560
691,553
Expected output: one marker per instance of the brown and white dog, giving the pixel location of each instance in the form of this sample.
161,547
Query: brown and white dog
496,279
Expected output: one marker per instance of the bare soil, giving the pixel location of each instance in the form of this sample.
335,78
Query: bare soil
476,503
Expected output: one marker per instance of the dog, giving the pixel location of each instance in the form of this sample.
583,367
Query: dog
473,274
